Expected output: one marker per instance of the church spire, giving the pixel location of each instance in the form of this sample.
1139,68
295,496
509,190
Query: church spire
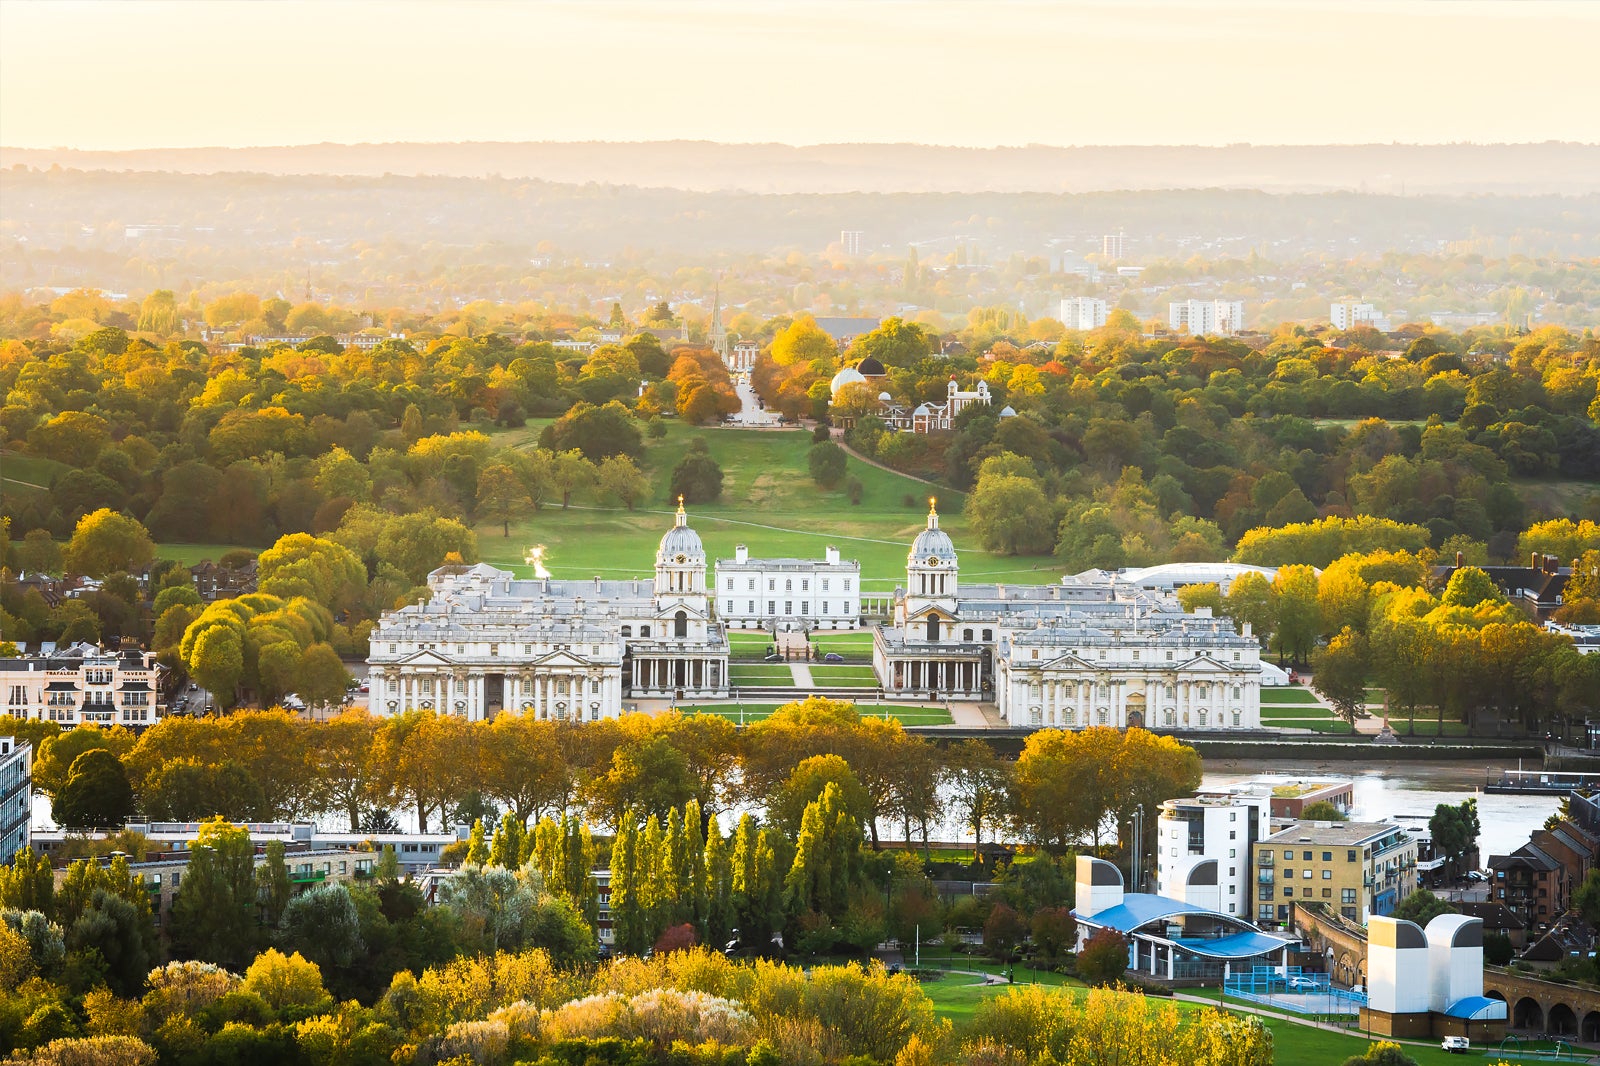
933,512
718,333
683,519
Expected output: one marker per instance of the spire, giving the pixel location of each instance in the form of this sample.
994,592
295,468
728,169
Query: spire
683,519
718,334
933,512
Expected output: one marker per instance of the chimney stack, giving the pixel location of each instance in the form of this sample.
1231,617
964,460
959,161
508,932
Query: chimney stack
1458,560
1533,561
741,553
832,555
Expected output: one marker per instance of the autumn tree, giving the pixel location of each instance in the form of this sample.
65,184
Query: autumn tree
106,542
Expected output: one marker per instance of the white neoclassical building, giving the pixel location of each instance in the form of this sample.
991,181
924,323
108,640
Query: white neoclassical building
788,593
1077,653
487,641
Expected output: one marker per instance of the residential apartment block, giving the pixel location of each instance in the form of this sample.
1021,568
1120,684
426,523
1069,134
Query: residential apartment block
1083,312
16,795
1204,848
1360,868
1206,317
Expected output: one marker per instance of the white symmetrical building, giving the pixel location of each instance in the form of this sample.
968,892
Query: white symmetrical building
1070,655
1203,848
788,594
928,417
741,358
1206,317
84,685
487,641
1083,312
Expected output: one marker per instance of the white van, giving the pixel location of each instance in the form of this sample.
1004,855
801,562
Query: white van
1454,1044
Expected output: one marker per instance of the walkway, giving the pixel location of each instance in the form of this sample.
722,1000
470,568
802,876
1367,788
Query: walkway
839,440
802,676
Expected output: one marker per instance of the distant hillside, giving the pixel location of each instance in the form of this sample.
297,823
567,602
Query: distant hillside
834,168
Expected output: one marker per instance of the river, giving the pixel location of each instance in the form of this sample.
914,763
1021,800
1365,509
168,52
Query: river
1389,790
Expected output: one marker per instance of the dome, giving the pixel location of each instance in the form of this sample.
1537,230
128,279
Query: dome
1008,412
680,540
870,367
848,376
885,397
932,543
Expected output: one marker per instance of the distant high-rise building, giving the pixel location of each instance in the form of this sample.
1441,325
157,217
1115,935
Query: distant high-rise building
850,240
1350,315
1112,245
1206,316
1083,312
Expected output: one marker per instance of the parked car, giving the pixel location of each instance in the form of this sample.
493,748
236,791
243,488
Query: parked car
773,657
1456,1045
1302,984
833,657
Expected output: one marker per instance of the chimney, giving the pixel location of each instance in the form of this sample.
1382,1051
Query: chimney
741,553
1533,561
832,554
597,582
1458,560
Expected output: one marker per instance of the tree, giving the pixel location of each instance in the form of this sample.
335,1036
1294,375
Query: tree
97,793
57,753
323,678
978,779
217,663
1421,907
1323,811
324,926
1003,930
1586,900
121,934
571,471
828,462
697,478
214,915
1067,783
1054,931
620,478
803,342
597,432
1470,586
1298,612
1455,830
827,863
1011,515
1250,602
287,981
106,542
1104,959
1341,673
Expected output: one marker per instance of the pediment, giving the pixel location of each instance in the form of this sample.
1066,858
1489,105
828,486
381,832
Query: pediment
560,659
424,658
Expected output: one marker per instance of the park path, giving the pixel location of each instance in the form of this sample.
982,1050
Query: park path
839,440
802,675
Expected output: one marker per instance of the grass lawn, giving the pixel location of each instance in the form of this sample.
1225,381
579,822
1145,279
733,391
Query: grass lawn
753,712
768,502
28,471
1427,727
190,554
749,646
1287,694
844,676
1295,711
857,645
776,674
1316,725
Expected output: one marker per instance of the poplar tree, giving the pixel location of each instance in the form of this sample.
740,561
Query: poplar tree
506,850
655,894
719,888
827,860
477,846
742,876
626,923
695,856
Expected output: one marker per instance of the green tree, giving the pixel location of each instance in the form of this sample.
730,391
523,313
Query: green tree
697,478
55,756
571,471
827,462
106,542
323,678
477,846
214,916
1323,811
120,933
1011,515
620,478
1298,612
273,889
217,663
1455,830
97,793
979,779
324,925
1341,673
828,861
1421,907
1469,586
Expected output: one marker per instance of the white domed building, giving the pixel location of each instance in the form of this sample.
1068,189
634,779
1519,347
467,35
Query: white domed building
1085,651
487,641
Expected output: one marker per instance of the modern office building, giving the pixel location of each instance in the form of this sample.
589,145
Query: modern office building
16,795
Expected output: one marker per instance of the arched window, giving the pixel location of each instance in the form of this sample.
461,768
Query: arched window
933,628
1236,692
680,625
644,631
966,635
627,631
988,634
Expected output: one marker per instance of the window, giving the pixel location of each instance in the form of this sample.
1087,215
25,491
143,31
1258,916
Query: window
1233,853
1305,892
988,634
1327,875
1235,659
770,605
966,635
1288,875
1348,912
1169,659
1233,816
805,586
847,584
752,587
1327,856
1347,895
1307,873
750,605
1308,856
788,607
1288,855
1327,893
627,631
425,686
730,584
772,584
1287,891
805,608
494,649
644,631
1350,856
824,584
730,607
788,585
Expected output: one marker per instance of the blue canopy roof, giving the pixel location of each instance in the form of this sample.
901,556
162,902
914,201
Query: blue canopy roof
1243,945
1477,1008
1141,908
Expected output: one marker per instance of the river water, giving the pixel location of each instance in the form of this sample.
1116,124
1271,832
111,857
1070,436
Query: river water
1393,790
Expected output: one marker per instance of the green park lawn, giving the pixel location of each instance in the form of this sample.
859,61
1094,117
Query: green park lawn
769,503
852,645
748,646
1287,694
908,714
1294,711
28,472
190,554
763,675
844,676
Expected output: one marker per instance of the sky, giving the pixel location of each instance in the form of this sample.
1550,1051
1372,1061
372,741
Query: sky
116,75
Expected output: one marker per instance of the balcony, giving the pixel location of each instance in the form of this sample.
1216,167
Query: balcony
1264,877
308,877
1263,858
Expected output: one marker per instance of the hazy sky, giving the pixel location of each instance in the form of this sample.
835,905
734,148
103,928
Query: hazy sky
98,74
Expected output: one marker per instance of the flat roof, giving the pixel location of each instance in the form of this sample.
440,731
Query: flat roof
1338,834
